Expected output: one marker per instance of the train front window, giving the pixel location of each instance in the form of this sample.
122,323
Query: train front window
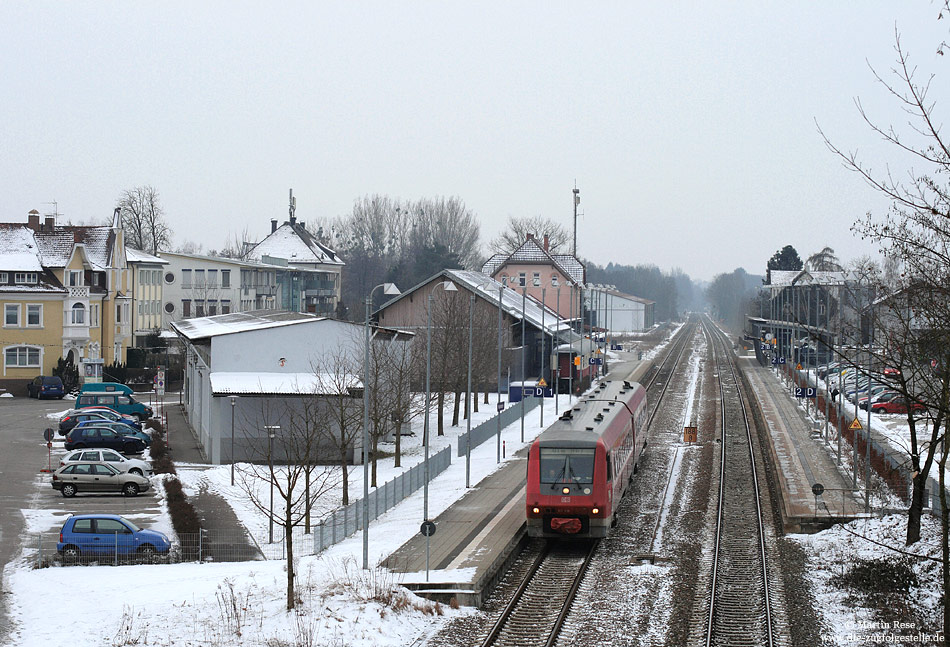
567,465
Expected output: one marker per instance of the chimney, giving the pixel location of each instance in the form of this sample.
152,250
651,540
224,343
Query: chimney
545,242
33,220
50,222
273,225
530,236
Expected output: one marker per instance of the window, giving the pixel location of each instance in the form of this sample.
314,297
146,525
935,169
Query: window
186,278
110,526
212,278
94,314
212,308
225,307
74,278
143,277
141,308
169,277
199,308
25,277
82,525
522,279
22,356
225,278
536,279
11,314
170,307
199,278
118,313
34,315
78,315
554,281
504,280
186,307
4,277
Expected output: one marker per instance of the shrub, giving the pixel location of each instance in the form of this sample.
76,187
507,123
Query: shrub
161,459
879,577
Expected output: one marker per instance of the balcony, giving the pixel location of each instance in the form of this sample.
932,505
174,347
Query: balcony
76,332
123,330
79,292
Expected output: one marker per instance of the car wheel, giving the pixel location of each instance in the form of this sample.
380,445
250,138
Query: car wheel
69,490
147,552
130,489
71,554
136,470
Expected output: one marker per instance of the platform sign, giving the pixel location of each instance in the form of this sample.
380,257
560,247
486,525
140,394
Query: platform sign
765,347
537,392
501,405
689,434
595,361
805,392
855,425
616,347
781,360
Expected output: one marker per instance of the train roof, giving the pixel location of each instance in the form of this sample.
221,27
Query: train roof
587,420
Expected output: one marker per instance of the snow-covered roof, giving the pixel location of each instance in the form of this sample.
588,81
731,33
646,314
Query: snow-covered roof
56,246
614,292
138,256
531,251
511,300
234,322
18,249
295,244
787,278
240,383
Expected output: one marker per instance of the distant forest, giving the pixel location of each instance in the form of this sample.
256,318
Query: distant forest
674,292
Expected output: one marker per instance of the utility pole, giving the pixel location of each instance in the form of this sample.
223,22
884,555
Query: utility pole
577,201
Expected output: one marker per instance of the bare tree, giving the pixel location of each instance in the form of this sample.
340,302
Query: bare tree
143,219
290,464
515,234
237,245
341,421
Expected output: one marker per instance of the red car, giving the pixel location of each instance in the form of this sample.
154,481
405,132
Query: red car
897,405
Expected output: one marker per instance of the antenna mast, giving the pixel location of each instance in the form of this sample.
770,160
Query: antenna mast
293,208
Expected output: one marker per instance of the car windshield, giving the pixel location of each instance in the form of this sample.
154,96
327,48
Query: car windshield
567,465
130,525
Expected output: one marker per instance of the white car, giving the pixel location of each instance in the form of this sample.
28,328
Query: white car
109,456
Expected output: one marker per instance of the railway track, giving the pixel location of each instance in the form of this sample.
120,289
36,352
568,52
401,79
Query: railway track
739,600
537,611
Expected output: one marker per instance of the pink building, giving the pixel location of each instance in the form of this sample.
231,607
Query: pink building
553,279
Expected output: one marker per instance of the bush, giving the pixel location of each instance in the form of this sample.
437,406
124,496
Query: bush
161,459
879,577
185,519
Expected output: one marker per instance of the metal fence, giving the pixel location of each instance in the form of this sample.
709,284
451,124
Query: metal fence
489,428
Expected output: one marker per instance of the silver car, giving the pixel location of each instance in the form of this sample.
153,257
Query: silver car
110,456
97,477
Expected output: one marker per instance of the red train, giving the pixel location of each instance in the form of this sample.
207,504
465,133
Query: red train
580,467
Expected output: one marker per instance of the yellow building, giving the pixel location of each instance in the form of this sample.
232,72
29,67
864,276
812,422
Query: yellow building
65,291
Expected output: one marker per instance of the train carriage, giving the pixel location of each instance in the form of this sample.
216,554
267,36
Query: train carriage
580,467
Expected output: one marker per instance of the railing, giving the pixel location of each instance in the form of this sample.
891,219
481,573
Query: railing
489,428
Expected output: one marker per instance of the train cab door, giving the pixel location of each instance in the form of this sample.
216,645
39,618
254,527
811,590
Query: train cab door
610,483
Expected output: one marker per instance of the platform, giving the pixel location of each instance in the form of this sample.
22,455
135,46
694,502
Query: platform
800,459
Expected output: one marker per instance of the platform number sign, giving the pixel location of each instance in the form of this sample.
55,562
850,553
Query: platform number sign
805,392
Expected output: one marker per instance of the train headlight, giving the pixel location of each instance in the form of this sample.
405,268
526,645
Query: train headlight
566,490
595,510
536,510
586,490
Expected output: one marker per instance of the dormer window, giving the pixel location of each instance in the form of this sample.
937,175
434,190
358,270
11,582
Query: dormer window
25,277
74,278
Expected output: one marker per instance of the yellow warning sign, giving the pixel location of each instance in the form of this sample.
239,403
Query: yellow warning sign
597,352
798,368
542,383
855,425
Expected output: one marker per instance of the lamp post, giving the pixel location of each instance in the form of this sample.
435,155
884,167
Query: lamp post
524,305
388,288
543,340
271,430
233,399
468,395
501,289
448,286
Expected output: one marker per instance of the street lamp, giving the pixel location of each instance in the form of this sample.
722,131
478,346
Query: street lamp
448,286
468,395
388,288
233,399
271,430
501,289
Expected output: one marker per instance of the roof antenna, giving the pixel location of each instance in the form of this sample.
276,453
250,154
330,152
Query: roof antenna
293,208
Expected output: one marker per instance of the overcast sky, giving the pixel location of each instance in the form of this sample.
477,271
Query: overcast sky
690,128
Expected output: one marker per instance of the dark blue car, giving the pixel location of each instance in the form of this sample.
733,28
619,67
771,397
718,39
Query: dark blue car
90,435
118,427
46,386
108,536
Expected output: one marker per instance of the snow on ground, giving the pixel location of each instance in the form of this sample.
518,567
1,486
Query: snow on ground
244,603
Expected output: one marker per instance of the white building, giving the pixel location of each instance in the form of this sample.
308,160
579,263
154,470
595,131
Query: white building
278,365
146,271
618,312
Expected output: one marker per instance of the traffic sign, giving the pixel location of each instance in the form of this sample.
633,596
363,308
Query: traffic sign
501,405
48,434
542,383
817,489
855,425
427,529
689,434
798,367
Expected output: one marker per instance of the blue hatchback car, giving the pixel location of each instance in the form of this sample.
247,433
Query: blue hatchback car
89,536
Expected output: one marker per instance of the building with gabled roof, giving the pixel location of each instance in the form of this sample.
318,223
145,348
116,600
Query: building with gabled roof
65,292
557,280
313,279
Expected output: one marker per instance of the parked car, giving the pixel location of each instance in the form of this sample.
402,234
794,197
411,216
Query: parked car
97,477
108,535
875,392
46,386
90,435
121,402
109,456
895,405
119,428
75,416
